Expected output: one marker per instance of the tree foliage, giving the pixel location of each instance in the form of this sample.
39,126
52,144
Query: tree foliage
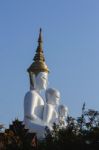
79,134
17,138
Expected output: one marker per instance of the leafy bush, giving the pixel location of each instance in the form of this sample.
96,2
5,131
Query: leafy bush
79,134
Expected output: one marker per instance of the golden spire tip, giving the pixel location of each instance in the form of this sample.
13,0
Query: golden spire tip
40,36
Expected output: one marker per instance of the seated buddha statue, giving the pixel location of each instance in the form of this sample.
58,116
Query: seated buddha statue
50,108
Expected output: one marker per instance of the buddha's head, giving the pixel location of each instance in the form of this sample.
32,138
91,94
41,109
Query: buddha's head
52,96
41,81
63,111
38,70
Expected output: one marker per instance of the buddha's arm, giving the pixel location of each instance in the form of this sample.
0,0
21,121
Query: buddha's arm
56,114
30,104
48,113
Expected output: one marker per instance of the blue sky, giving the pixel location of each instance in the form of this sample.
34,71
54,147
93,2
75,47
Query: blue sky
71,48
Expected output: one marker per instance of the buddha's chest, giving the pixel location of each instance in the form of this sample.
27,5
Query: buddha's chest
40,101
39,107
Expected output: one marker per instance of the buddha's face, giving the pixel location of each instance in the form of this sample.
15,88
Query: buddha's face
63,110
53,97
42,80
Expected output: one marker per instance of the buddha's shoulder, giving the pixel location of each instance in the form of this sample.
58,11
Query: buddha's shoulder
49,106
31,93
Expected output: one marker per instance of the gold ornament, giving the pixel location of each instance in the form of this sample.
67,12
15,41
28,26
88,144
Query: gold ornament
39,64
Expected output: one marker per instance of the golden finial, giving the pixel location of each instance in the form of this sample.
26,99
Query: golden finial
39,64
40,36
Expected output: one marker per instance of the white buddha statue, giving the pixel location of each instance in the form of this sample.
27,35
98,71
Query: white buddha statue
33,102
34,105
37,113
50,113
62,115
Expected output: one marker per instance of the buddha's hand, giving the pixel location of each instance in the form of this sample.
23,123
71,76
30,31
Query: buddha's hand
49,125
33,118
